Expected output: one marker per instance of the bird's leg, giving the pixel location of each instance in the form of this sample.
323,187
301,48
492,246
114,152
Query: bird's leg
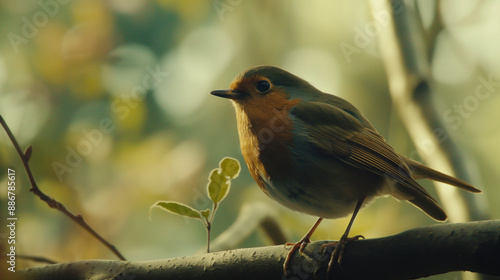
301,244
340,245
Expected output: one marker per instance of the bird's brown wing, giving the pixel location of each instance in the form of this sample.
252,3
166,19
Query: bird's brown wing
340,134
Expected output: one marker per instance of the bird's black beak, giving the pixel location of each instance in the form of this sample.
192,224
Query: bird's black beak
226,93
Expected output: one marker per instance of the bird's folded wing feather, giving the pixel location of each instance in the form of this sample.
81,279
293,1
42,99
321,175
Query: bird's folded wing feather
340,134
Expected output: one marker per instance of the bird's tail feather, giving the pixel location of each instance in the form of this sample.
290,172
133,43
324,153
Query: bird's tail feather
429,207
421,171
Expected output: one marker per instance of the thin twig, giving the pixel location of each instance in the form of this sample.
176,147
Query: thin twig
49,200
209,228
36,259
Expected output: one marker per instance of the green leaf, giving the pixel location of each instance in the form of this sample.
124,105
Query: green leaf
218,185
177,208
205,213
230,166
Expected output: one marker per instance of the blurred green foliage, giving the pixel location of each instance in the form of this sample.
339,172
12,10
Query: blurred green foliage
113,97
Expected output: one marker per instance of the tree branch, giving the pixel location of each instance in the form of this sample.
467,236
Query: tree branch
406,62
49,200
36,259
419,252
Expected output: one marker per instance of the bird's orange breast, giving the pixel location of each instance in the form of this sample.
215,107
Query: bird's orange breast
266,132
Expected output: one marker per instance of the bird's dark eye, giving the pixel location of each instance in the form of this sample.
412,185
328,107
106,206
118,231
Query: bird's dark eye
263,86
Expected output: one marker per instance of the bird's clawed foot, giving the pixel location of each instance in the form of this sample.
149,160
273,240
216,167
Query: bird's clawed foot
297,245
339,249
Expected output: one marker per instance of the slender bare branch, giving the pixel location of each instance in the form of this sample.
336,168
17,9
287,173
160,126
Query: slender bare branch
37,259
49,200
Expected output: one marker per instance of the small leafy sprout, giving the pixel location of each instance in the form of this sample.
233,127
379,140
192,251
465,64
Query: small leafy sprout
219,183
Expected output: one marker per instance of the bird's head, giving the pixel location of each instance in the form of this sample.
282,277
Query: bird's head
265,86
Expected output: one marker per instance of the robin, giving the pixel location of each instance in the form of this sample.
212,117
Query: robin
317,154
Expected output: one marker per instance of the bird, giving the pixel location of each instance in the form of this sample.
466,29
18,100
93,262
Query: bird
316,153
